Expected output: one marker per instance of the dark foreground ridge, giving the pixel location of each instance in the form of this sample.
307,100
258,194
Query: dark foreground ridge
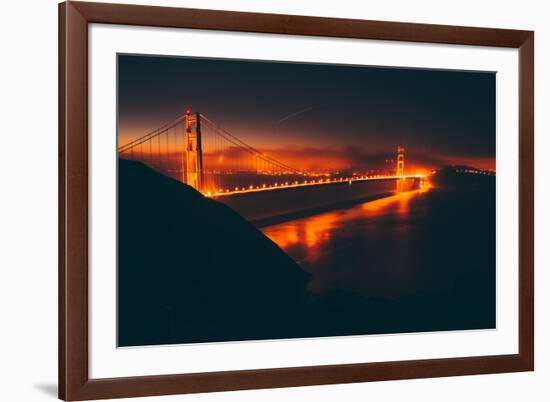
192,270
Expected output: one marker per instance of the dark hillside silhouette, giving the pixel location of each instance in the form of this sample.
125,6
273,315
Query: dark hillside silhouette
190,269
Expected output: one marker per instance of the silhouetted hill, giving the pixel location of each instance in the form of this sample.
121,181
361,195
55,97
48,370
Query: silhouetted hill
191,269
461,178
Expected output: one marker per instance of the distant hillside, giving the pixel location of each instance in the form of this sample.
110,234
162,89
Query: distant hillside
463,178
190,269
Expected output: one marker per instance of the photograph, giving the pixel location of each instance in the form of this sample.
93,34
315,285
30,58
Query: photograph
268,200
271,201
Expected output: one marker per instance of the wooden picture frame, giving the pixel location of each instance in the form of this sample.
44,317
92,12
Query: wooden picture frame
74,381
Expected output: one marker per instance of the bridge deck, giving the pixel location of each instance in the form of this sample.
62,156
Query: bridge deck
264,208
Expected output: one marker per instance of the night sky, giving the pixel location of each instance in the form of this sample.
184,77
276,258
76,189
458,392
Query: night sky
324,113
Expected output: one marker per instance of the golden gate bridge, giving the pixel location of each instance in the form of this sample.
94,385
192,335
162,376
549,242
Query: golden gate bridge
196,151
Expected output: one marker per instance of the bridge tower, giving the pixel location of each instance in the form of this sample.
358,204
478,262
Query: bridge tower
400,173
192,160
400,161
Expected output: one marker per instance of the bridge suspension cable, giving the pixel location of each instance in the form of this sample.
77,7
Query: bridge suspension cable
251,149
227,163
158,131
196,151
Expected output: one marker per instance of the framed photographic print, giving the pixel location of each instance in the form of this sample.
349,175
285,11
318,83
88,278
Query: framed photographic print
257,200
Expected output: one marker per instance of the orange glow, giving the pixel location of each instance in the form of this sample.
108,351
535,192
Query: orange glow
316,230
400,201
277,186
232,159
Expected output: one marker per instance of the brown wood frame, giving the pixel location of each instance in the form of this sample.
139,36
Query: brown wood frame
74,383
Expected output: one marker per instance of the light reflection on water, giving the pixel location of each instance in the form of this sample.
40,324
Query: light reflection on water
313,231
365,248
